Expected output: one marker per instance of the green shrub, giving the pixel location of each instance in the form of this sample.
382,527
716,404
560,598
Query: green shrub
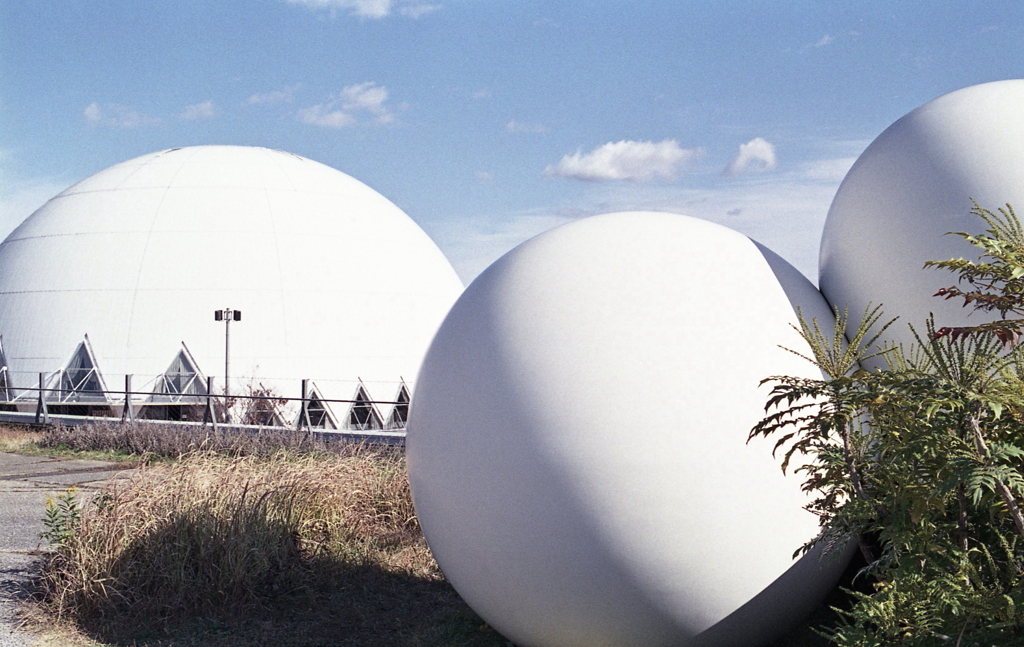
921,464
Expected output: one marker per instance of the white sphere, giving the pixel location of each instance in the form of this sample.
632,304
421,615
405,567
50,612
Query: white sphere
910,187
334,282
577,443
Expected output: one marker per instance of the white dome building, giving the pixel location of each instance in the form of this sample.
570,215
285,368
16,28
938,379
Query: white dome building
122,274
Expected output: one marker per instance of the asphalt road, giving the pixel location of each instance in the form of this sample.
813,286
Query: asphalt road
24,483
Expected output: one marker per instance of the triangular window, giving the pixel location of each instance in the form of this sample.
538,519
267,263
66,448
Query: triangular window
363,414
182,377
320,416
400,410
80,379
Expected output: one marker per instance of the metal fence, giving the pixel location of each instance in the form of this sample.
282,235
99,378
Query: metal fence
79,401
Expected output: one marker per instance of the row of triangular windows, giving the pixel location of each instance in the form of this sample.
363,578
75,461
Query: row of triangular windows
81,381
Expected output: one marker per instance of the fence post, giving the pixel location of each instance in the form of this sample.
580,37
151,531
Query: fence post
42,413
128,412
304,418
210,415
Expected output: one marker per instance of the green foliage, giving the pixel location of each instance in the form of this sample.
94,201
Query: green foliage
995,283
921,464
61,516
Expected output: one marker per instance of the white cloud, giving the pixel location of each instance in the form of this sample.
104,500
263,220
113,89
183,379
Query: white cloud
824,40
368,97
482,94
626,160
519,127
371,8
756,156
274,96
344,108
112,115
484,177
320,115
93,113
204,110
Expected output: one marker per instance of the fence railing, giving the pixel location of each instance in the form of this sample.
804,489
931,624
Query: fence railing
310,411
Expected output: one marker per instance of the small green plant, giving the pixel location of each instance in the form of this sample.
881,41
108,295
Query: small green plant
62,516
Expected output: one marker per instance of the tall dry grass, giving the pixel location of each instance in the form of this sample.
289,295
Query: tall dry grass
212,532
143,438
16,438
245,539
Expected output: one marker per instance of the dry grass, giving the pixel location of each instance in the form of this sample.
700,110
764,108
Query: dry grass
153,439
283,547
17,438
210,532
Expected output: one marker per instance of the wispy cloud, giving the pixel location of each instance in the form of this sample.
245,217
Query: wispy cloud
346,107
785,211
322,115
481,94
632,161
285,95
113,115
519,127
756,156
373,9
367,97
824,40
828,170
195,112
484,177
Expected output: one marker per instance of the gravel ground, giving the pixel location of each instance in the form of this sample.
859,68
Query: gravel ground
24,483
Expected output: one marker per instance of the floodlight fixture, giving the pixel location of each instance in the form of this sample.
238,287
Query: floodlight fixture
227,315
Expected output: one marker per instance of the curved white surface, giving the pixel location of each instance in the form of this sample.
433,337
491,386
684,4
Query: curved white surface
577,442
913,184
334,282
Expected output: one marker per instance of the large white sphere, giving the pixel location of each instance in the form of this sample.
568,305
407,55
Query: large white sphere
577,443
334,282
913,184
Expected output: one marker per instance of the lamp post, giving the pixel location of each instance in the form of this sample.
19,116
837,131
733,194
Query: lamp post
227,315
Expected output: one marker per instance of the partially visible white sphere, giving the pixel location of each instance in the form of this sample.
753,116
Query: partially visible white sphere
911,186
334,282
577,443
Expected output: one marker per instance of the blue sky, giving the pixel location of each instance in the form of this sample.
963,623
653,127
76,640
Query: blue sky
490,121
